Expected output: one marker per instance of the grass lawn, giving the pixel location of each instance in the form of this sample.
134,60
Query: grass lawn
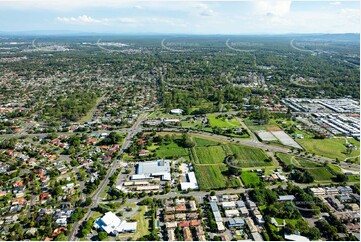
153,147
272,126
96,214
288,221
248,156
222,122
171,150
210,155
211,177
127,157
331,148
89,113
250,178
142,225
204,142
190,124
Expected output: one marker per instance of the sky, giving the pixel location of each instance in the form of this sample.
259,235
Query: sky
181,17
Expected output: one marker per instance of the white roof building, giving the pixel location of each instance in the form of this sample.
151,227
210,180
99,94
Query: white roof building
231,213
228,205
111,224
192,182
295,237
176,111
318,191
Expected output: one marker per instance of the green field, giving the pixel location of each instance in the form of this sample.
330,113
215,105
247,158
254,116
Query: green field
250,178
222,122
331,148
317,171
334,169
307,163
248,156
287,159
211,177
171,150
204,142
321,174
210,155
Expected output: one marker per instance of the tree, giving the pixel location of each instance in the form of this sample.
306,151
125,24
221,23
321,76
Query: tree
61,237
102,236
187,141
341,177
234,171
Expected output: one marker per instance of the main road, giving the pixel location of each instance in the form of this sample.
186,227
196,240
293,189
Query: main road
96,195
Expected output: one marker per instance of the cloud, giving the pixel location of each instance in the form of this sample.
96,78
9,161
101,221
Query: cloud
335,3
83,19
138,7
272,7
353,15
205,10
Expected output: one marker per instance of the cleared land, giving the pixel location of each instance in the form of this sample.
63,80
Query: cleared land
214,177
171,150
222,122
331,148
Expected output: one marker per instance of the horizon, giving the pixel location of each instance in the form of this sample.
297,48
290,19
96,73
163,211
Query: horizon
259,17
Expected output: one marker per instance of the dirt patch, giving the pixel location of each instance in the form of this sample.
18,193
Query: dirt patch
273,128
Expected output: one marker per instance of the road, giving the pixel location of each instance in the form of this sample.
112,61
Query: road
199,195
96,196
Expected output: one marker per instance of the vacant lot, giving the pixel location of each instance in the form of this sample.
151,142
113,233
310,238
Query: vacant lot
250,178
247,156
214,177
222,122
204,142
287,159
171,150
210,155
331,148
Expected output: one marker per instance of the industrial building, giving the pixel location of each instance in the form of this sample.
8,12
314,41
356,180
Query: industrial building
152,169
